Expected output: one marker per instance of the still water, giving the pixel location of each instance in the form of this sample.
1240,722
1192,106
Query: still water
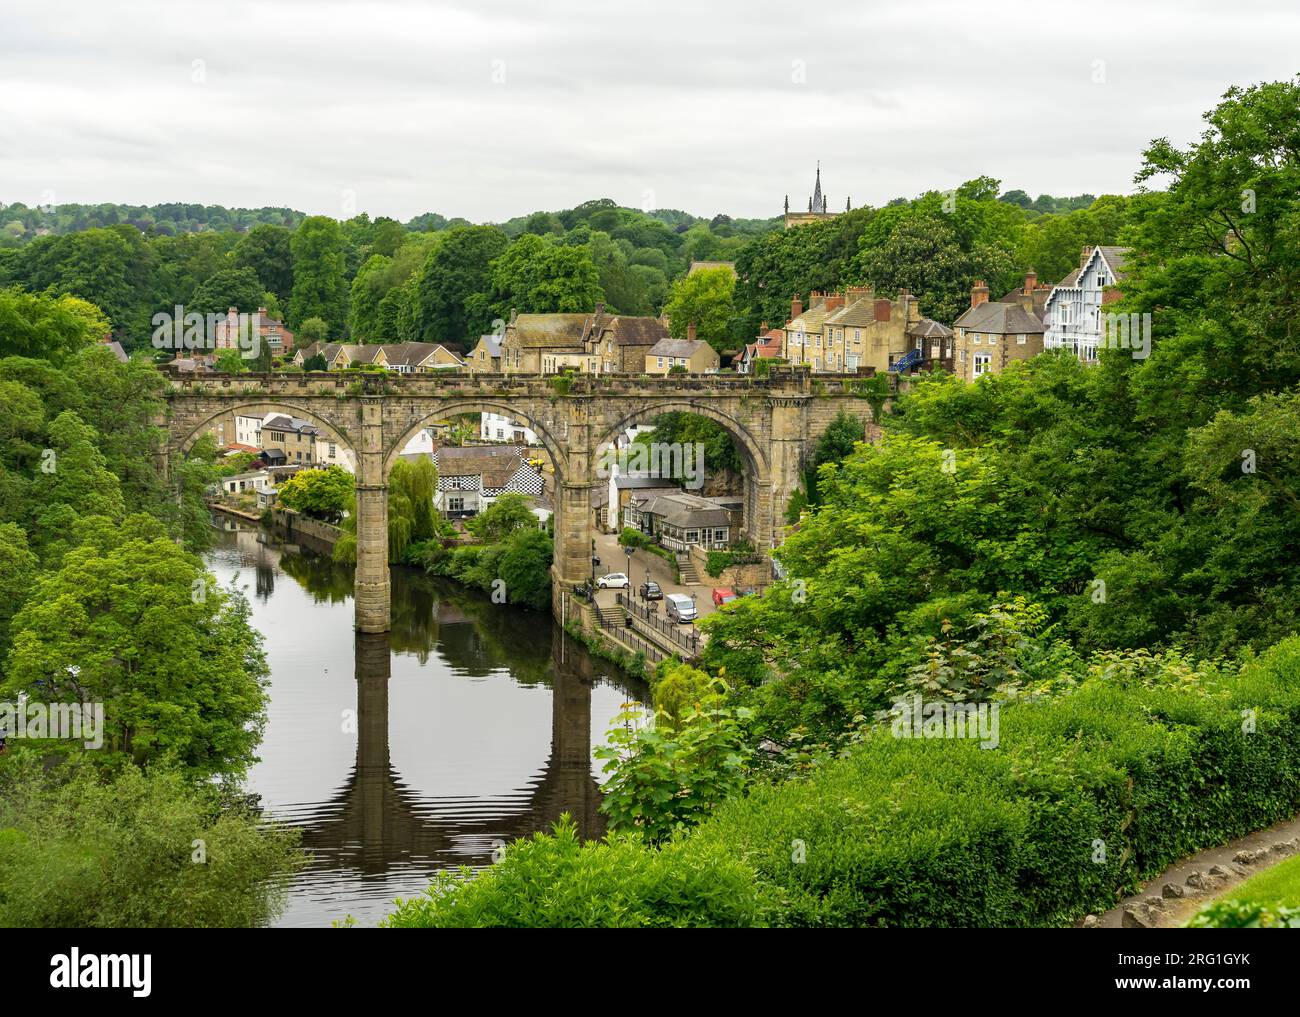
422,750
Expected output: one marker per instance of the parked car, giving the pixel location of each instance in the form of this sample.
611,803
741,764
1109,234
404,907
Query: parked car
613,581
680,608
722,595
650,590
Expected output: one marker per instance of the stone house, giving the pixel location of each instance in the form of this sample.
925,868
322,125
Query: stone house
679,520
295,438
992,334
485,357
471,478
589,343
689,353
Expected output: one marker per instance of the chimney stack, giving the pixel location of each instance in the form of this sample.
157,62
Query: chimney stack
1083,258
690,332
882,309
796,307
979,293
1031,282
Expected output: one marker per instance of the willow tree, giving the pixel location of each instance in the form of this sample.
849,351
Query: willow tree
411,516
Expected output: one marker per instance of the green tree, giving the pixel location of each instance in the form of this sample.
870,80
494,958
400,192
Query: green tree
455,273
704,299
132,621
266,249
506,515
52,328
233,287
313,330
319,281
536,275
322,494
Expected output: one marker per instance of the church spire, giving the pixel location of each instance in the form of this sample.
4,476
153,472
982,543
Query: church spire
818,205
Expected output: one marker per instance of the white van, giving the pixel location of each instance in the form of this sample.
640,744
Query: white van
680,608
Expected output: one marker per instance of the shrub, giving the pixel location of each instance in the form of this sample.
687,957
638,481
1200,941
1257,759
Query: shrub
1233,914
554,881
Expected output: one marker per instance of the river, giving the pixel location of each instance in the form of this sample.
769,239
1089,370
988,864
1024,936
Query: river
406,754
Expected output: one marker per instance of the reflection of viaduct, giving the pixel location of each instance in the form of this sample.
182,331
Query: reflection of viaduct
775,422
375,821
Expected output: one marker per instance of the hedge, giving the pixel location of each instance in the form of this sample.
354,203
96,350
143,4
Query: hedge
1085,795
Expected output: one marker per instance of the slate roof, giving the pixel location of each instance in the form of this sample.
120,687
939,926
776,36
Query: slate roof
856,315
493,344
282,422
684,510
538,331
999,318
685,348
928,328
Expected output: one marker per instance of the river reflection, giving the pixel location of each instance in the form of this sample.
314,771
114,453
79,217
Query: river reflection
421,750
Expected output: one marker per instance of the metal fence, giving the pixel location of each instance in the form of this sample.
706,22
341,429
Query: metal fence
624,634
643,613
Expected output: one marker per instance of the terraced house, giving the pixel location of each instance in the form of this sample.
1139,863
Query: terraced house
402,358
598,343
295,438
843,333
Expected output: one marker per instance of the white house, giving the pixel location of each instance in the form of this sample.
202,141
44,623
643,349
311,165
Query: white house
498,427
331,453
473,477
1073,316
257,480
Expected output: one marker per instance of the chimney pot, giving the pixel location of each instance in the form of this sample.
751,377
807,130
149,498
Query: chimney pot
979,293
690,331
1031,282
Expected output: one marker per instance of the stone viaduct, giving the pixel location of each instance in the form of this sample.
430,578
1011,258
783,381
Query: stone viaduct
776,421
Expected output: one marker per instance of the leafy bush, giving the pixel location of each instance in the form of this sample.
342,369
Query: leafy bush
554,881
80,852
670,776
1234,914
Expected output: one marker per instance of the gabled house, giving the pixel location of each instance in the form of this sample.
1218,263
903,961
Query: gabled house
992,334
679,520
689,354
485,357
472,477
766,347
590,343
295,438
1073,313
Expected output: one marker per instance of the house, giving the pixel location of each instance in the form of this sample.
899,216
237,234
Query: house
248,430
803,331
992,334
471,478
115,348
499,427
679,520
485,358
693,356
331,453
767,346
254,480
295,438
421,358
589,343
856,330
1073,310
271,332
817,206
622,488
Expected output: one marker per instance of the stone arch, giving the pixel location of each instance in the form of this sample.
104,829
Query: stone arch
192,431
752,450
549,441
758,491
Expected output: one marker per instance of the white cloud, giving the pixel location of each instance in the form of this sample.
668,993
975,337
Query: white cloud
490,110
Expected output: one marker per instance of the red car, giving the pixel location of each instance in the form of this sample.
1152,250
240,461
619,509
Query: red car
721,595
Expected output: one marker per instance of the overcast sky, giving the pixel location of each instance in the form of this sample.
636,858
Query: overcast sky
496,108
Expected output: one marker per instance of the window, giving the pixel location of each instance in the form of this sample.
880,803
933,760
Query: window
1020,340
982,361
857,335
977,339
720,536
660,361
333,450
692,536
456,504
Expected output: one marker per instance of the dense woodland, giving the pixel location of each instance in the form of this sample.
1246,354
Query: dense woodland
439,280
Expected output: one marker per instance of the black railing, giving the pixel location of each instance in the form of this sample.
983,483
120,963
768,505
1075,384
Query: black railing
644,613
626,635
